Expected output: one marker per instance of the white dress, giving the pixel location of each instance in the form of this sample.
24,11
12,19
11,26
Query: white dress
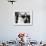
20,20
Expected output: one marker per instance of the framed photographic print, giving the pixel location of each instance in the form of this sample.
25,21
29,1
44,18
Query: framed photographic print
23,18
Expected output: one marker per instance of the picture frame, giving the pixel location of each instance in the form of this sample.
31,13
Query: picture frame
23,18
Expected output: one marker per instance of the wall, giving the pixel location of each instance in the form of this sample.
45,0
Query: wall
9,31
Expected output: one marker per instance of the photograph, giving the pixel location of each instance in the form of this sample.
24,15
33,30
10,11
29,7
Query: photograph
23,18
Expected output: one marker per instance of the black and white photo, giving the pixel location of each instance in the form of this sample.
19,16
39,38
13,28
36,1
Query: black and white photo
23,18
